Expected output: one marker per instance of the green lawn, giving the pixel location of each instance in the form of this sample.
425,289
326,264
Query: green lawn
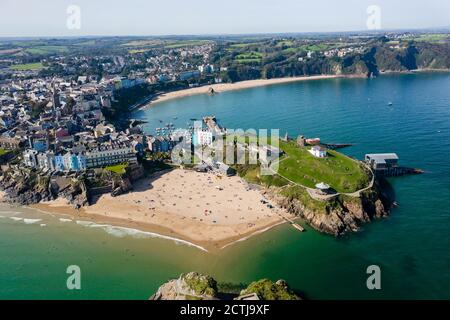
339,171
3,151
27,66
118,168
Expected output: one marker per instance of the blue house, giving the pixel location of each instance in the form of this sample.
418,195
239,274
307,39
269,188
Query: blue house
40,145
59,163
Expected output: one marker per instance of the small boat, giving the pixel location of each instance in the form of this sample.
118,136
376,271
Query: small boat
175,118
390,104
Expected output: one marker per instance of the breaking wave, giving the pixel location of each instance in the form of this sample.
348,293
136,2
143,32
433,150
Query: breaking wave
122,232
31,221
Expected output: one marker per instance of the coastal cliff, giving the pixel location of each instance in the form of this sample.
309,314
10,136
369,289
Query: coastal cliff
195,286
338,216
25,186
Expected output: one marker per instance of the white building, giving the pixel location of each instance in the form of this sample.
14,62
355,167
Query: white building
102,157
46,161
318,152
30,158
203,137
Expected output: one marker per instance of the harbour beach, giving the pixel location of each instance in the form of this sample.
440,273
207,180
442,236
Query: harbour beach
201,208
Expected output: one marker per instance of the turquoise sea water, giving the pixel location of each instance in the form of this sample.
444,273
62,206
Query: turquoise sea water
412,247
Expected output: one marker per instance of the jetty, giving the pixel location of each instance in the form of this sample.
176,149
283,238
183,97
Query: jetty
136,122
292,223
334,146
211,123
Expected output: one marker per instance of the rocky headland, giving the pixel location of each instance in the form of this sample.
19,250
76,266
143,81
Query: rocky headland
337,216
195,286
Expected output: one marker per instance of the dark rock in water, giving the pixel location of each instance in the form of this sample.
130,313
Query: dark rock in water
195,286
190,286
211,91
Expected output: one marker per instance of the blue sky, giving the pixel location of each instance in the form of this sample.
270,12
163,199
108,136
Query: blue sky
151,17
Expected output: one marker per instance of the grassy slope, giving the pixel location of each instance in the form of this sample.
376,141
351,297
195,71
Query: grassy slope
337,170
298,165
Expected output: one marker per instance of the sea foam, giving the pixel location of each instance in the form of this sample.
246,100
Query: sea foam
122,232
31,221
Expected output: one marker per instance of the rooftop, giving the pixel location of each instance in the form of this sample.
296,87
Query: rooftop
381,157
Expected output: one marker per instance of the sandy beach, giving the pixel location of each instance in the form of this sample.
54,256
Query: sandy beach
223,87
202,208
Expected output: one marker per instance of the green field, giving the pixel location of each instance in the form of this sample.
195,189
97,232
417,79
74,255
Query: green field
134,51
249,57
244,45
285,43
339,171
315,47
27,66
43,50
432,37
181,44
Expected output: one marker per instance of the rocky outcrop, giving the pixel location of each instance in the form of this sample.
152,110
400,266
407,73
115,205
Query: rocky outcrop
339,216
26,187
195,286
267,290
190,286
122,186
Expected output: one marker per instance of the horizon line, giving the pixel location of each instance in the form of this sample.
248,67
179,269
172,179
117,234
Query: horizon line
442,28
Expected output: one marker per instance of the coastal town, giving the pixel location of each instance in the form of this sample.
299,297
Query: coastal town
68,138
224,156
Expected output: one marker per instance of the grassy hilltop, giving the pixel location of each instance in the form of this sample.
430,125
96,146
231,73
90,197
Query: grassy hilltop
299,167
